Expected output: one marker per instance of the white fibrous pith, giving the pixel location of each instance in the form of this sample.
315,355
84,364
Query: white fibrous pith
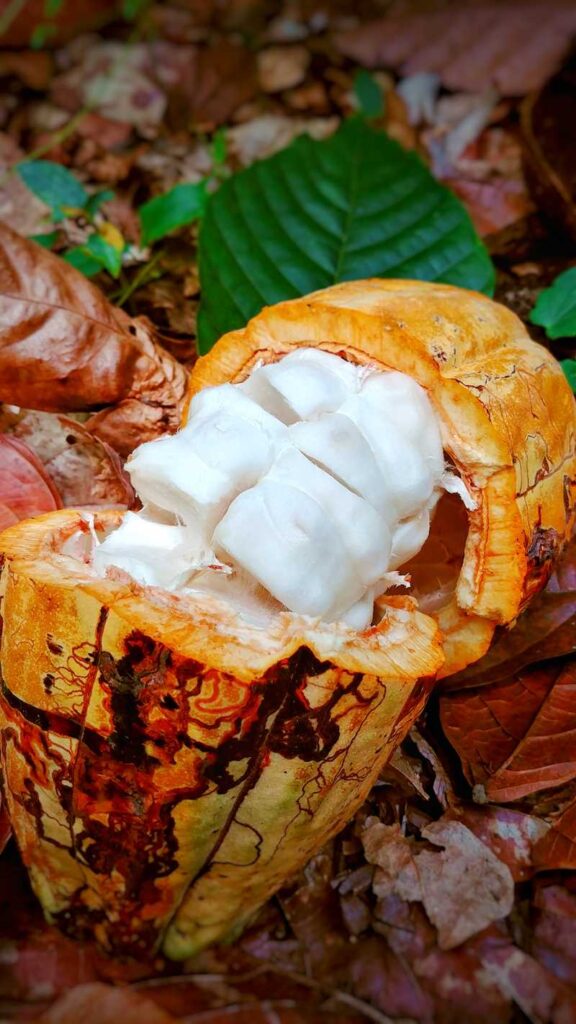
303,488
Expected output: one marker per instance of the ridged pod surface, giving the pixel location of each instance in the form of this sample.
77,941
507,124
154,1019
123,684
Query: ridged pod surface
167,765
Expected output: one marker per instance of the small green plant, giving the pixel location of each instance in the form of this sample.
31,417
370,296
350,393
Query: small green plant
105,246
369,95
555,308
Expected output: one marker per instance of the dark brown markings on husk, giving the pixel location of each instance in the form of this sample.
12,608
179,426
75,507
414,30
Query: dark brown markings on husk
121,820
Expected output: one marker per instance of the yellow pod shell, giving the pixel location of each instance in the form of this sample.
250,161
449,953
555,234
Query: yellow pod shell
168,766
507,416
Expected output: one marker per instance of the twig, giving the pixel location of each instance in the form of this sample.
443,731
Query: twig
138,280
368,1011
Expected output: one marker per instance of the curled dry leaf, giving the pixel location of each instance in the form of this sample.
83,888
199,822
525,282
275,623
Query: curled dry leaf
85,470
25,488
463,889
512,46
518,736
97,1003
547,119
63,347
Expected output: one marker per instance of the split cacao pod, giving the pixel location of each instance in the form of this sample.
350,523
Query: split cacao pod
168,766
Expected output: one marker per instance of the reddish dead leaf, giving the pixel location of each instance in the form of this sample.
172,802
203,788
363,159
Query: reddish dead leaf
64,347
536,991
511,835
516,737
557,849
97,1003
459,988
492,205
25,488
85,470
512,46
553,941
382,978
547,629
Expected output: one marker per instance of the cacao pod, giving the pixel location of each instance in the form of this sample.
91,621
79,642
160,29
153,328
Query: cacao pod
168,765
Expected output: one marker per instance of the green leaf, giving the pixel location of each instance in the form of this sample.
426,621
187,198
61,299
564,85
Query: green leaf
569,367
80,258
46,241
94,202
219,148
54,184
368,94
109,256
173,209
132,8
40,34
51,7
555,308
353,206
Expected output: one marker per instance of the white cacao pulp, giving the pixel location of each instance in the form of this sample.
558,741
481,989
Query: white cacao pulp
304,488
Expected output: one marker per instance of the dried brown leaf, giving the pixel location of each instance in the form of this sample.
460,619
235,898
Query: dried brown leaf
516,737
25,488
466,887
64,347
282,67
97,1003
515,47
85,470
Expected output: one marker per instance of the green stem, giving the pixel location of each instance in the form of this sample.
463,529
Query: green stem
10,14
142,277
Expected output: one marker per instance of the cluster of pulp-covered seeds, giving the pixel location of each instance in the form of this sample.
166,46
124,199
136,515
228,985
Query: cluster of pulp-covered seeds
309,483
